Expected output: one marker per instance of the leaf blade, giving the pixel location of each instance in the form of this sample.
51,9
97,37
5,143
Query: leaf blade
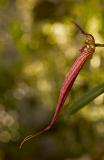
87,98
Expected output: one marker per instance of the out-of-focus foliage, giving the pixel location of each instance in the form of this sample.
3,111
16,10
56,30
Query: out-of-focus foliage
38,44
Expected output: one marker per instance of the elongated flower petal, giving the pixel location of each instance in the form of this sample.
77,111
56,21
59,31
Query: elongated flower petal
86,53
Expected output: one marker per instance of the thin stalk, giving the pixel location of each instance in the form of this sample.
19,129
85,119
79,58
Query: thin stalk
99,45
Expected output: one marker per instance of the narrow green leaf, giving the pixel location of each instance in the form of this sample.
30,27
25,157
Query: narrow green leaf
88,97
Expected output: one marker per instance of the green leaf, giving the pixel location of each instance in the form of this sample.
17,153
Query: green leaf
87,98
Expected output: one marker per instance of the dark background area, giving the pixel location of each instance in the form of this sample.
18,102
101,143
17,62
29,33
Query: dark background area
38,44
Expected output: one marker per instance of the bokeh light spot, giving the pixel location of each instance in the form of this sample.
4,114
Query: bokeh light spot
95,62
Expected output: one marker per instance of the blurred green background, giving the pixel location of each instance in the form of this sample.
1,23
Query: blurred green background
38,44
